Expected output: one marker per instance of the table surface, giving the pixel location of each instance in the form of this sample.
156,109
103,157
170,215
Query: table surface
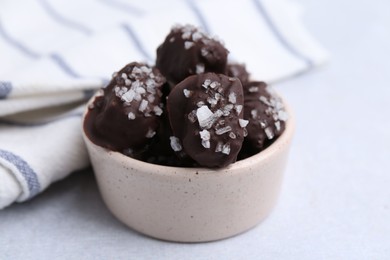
335,201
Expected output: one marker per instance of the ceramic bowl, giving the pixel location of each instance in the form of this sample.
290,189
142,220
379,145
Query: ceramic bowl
191,204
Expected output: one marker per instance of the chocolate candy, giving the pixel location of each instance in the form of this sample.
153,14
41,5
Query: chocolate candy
125,118
239,71
205,113
187,51
266,115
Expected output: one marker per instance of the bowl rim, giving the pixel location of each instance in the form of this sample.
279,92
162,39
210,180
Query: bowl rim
235,167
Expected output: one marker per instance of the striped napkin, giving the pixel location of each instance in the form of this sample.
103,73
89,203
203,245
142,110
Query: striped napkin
54,54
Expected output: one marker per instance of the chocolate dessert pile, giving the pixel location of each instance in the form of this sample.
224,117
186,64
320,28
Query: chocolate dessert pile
187,51
192,109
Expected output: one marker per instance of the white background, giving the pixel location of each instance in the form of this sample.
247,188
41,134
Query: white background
335,202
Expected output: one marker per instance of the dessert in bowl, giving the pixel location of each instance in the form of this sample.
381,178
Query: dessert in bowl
192,153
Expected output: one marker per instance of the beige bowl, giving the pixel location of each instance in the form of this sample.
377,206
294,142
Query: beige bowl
191,204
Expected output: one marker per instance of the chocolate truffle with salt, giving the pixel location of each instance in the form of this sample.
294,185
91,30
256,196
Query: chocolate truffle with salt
206,116
266,115
187,51
125,117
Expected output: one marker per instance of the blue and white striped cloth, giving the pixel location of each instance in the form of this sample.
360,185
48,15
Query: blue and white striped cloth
55,53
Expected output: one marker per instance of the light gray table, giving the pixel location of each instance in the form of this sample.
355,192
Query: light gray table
335,202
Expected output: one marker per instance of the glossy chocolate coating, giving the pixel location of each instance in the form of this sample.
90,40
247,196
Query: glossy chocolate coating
266,115
126,117
205,113
187,51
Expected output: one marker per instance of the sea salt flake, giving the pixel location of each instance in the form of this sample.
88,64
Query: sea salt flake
136,84
123,90
269,111
146,70
196,36
199,68
226,109
270,134
277,126
143,105
283,116
124,75
188,45
186,35
150,133
217,114
226,149
206,83
215,84
204,135
204,115
137,96
127,82
238,109
140,90
242,122
206,144
204,52
279,105
223,130
136,71
218,148
187,93
151,89
128,96
212,101
245,132
232,98
273,102
254,113
131,115
172,39
200,103
264,100
253,89
157,110
151,98
232,135
150,82
175,144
